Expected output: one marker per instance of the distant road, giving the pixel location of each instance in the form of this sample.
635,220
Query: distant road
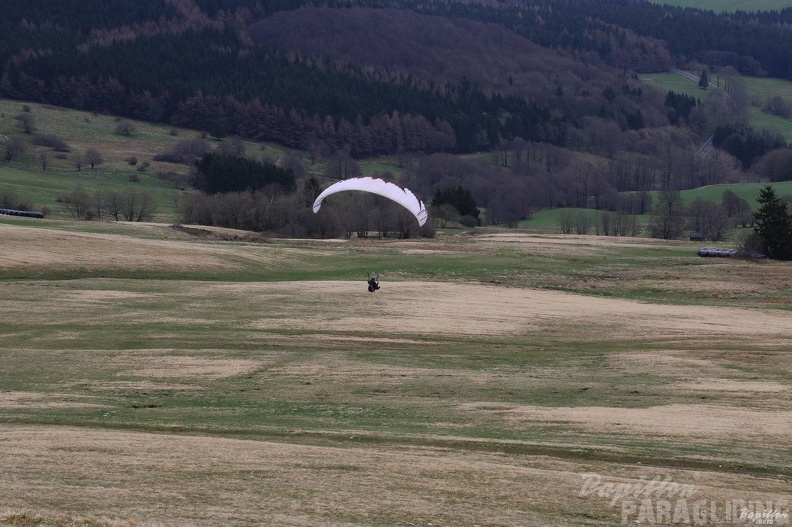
690,76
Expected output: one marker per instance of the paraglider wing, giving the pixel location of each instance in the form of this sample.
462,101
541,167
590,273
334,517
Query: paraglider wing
394,192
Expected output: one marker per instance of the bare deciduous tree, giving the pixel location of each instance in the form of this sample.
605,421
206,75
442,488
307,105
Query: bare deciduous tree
99,203
668,219
77,202
26,122
137,206
445,213
78,161
566,221
14,148
125,128
93,157
342,166
294,163
583,222
113,205
234,147
776,105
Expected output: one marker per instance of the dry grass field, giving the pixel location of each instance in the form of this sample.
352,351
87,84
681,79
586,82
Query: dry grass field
151,376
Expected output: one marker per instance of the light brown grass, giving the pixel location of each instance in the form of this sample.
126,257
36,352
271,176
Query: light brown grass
31,248
63,474
12,400
703,421
150,479
471,309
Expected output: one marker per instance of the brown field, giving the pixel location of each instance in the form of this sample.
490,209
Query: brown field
504,406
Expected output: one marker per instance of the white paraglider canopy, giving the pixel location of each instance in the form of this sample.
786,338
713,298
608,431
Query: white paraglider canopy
394,192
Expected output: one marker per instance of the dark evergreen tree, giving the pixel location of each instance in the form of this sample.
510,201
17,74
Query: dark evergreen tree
703,80
458,197
745,143
221,173
773,225
679,106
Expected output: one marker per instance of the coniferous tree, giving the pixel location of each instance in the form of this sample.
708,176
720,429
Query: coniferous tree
773,225
222,173
703,80
458,197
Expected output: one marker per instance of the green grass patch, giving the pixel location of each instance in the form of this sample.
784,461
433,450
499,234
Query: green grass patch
759,91
721,6
748,191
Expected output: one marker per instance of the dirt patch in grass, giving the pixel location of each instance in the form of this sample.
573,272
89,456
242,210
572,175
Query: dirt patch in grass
566,240
472,309
158,367
370,340
32,248
346,371
679,420
727,370
113,386
731,385
220,234
17,400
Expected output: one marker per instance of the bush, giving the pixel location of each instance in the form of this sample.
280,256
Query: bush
749,245
125,128
178,180
469,221
10,200
51,141
428,230
185,151
14,148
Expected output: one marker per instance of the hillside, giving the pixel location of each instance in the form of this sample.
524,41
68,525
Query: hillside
226,67
528,107
759,90
47,169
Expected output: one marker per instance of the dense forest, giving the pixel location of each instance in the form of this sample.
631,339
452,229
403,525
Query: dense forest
293,65
530,82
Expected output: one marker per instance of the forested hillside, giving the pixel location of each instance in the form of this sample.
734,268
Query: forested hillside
550,88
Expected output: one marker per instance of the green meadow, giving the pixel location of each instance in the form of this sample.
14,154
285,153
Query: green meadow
41,187
759,91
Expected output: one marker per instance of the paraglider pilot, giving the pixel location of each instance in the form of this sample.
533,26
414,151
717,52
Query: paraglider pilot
373,283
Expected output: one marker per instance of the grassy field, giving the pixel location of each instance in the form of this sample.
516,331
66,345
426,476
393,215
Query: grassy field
83,130
549,221
158,376
758,89
730,5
